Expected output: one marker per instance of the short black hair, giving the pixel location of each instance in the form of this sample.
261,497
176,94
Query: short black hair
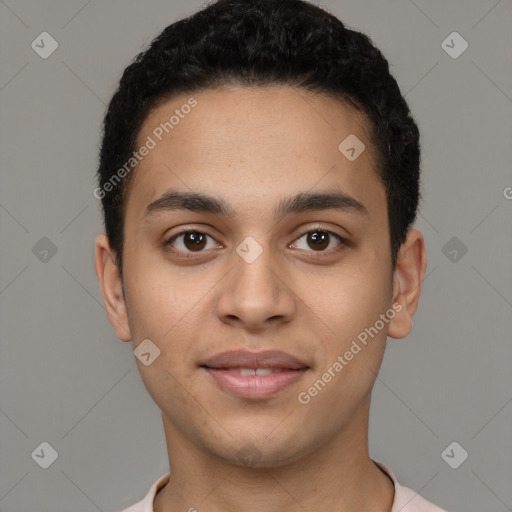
259,43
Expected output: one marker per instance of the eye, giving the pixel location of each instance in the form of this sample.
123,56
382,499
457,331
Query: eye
320,239
189,241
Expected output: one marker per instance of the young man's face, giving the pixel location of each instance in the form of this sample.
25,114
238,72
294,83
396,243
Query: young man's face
256,280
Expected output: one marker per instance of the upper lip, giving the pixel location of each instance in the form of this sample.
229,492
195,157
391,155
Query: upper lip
246,359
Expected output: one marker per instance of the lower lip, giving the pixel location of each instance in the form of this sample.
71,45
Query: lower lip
254,386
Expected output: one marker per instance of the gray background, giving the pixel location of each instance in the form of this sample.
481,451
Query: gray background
65,378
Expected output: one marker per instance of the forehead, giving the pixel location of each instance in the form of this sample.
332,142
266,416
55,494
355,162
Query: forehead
247,141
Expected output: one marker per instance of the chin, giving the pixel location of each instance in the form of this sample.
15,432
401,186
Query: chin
259,447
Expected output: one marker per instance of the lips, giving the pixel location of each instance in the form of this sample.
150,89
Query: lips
254,375
242,359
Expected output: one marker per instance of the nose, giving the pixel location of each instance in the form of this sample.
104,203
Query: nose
256,293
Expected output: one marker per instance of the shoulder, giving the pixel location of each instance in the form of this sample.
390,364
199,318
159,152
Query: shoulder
146,504
407,500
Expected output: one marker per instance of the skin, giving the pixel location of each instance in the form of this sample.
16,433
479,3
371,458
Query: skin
252,147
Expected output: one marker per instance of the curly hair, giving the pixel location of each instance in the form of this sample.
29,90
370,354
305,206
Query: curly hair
258,43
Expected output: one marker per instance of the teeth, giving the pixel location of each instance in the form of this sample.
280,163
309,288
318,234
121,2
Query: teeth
264,371
246,372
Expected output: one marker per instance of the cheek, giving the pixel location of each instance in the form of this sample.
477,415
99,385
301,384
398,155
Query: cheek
166,307
353,348
351,306
353,299
154,298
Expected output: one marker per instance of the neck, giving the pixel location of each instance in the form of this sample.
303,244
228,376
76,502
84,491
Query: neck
338,475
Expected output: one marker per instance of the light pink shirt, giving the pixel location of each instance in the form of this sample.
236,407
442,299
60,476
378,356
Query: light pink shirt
406,500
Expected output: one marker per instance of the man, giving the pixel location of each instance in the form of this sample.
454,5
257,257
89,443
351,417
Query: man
259,174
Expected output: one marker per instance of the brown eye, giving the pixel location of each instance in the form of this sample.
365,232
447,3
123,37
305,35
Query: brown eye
319,240
194,240
189,241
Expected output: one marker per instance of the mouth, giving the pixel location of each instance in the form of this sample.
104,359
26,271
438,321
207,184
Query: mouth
254,375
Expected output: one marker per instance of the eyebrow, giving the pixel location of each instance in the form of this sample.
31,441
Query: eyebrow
302,202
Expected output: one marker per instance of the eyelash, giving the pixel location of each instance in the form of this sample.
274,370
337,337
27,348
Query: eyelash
343,242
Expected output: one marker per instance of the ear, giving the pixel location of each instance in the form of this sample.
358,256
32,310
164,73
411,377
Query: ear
111,287
407,282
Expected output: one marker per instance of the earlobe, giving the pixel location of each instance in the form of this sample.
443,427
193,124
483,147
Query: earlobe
110,283
407,282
